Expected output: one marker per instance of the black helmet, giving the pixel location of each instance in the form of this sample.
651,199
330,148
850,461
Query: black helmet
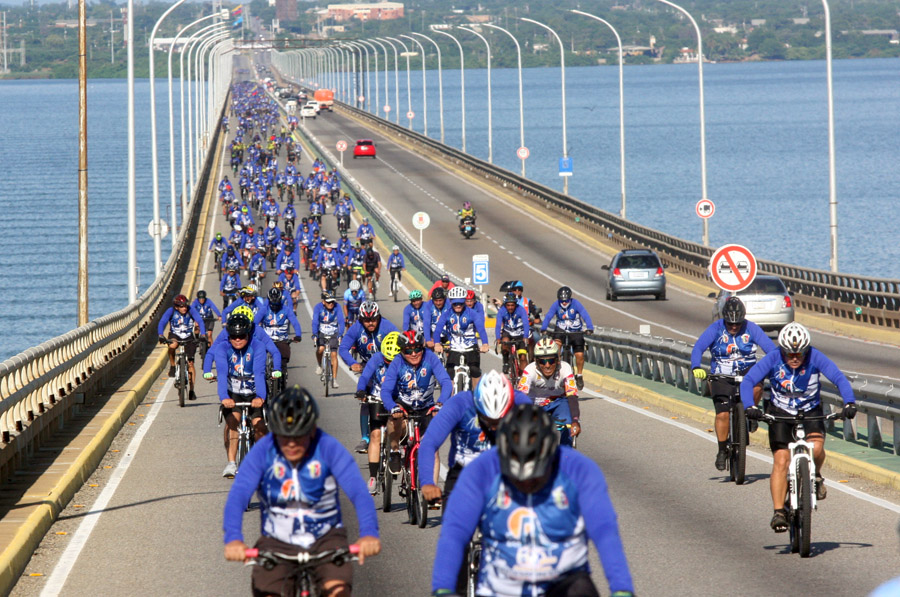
510,298
734,310
238,325
438,293
564,294
231,250
526,443
275,296
201,294
292,413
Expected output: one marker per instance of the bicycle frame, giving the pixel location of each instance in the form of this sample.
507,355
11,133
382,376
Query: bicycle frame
800,450
461,378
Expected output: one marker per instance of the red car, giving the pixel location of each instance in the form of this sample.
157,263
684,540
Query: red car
364,148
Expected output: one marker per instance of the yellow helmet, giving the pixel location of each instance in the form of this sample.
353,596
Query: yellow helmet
390,347
243,310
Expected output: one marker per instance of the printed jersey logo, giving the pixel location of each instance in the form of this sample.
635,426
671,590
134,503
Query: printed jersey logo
560,498
315,469
279,470
287,489
522,523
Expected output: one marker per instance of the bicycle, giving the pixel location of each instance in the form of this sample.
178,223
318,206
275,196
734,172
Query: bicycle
181,368
566,352
217,254
561,425
801,496
326,363
416,504
461,378
738,429
511,364
473,563
246,436
395,283
384,478
304,573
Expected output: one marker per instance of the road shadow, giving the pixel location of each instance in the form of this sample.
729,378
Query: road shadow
748,479
140,503
818,548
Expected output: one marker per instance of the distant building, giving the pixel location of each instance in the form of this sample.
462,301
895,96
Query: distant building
376,11
757,22
73,23
286,10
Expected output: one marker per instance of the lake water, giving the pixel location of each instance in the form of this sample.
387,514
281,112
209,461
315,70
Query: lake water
767,162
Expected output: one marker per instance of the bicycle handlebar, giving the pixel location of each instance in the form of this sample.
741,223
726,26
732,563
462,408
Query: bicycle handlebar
306,557
725,377
800,418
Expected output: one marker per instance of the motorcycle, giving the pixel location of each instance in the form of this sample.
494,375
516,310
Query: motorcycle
467,227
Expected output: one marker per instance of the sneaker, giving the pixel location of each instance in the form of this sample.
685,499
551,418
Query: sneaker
779,522
334,384
821,492
318,370
373,484
579,382
171,370
362,447
395,463
230,470
192,395
754,425
720,460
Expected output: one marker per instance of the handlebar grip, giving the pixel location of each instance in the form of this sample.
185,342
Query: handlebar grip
251,552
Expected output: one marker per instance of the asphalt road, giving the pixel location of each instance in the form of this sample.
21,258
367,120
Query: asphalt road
686,529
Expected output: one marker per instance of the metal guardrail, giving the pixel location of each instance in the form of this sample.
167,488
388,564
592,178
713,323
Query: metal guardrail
669,361
34,381
817,291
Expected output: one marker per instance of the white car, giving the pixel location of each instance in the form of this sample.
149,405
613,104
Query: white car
314,105
307,111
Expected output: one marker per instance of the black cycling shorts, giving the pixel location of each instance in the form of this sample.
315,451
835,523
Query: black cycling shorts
332,342
781,433
518,342
190,347
254,412
472,358
721,390
575,339
378,416
284,347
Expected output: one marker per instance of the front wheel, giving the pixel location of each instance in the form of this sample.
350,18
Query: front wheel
738,445
387,478
803,515
243,448
412,510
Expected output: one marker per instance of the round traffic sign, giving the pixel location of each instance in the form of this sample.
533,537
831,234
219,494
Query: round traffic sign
421,220
705,208
410,114
523,153
387,108
341,145
361,98
732,267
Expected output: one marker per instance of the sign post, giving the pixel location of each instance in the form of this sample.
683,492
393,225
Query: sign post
565,166
421,220
732,268
342,147
481,273
705,209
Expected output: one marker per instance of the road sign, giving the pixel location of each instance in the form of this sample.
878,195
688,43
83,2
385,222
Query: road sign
410,114
387,108
361,98
341,145
523,153
421,220
705,208
565,166
162,229
732,267
481,269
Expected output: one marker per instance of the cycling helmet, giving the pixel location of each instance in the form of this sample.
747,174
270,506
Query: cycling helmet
238,325
218,236
734,310
415,295
243,310
201,294
470,294
390,346
794,337
271,224
438,293
344,235
526,443
354,285
249,229
292,413
410,338
457,295
368,310
564,294
275,296
518,285
231,250
237,228
249,290
328,297
493,395
395,248
181,301
510,298
244,209
279,283
467,205
546,348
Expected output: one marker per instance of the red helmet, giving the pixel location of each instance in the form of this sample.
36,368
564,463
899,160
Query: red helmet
181,301
410,338
249,229
470,294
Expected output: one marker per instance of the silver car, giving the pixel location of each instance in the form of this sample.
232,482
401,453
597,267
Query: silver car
635,272
768,302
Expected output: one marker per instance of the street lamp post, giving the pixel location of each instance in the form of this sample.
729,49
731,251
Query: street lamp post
408,93
424,84
521,105
489,110
132,201
377,86
189,49
621,103
387,87
702,113
462,85
562,67
396,77
832,176
440,81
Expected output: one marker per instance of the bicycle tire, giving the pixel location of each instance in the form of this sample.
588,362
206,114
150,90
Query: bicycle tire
411,510
387,478
422,502
739,445
473,563
326,370
243,448
183,380
804,507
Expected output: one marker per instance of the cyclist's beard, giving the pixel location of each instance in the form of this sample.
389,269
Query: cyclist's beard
489,434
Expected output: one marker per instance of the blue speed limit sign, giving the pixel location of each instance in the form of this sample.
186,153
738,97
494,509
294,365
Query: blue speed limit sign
481,269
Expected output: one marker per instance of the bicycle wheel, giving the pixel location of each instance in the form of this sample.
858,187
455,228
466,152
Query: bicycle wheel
243,446
182,380
326,371
422,502
738,444
395,289
411,498
387,478
473,563
804,507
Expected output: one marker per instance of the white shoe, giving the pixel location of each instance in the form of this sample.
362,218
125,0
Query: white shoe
230,470
334,384
318,370
373,485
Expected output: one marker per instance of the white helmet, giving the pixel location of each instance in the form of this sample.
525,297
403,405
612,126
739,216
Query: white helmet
355,285
457,293
547,347
794,337
493,395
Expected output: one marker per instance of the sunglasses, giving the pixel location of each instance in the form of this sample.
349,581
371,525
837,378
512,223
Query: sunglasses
552,361
368,319
243,337
793,355
413,350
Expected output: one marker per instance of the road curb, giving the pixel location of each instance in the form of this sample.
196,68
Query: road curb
835,460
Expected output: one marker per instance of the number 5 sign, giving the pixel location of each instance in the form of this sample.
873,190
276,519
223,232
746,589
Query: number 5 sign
481,269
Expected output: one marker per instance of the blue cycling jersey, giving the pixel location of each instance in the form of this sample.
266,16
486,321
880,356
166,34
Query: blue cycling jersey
414,319
530,540
396,261
461,328
731,354
299,503
514,325
276,322
364,344
206,309
432,316
181,326
413,387
372,377
327,322
230,283
571,318
240,372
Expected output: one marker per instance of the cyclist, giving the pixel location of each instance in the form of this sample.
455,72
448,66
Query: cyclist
732,342
473,303
364,338
241,363
231,259
343,245
275,321
466,214
353,299
297,471
229,286
181,319
513,329
365,234
208,312
354,261
327,323
794,373
434,308
218,246
409,386
327,261
396,264
444,283
342,214
460,324
258,334
257,264
369,384
291,283
551,385
572,320
537,505
372,265
286,259
250,299
414,313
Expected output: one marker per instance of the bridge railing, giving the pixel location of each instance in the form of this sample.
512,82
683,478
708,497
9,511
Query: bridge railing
861,299
37,381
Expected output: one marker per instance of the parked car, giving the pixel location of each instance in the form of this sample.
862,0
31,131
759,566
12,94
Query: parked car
364,148
768,302
636,272
308,111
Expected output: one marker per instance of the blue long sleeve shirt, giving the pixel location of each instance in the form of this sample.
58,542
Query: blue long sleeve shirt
299,503
730,354
181,326
327,321
275,323
396,261
372,377
413,387
514,325
241,372
258,334
461,329
207,310
573,318
414,319
362,342
530,540
432,316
